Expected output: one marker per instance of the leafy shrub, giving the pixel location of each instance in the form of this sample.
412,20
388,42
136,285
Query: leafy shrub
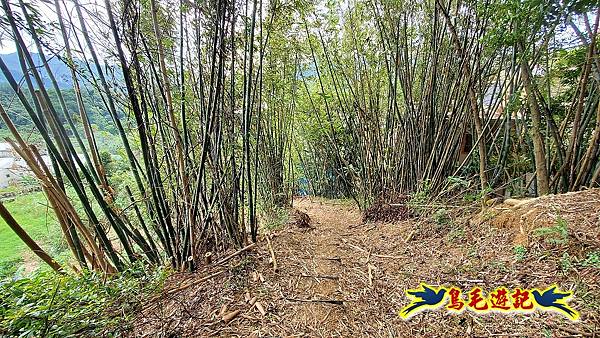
49,304
592,260
557,234
457,183
477,196
442,217
520,252
417,201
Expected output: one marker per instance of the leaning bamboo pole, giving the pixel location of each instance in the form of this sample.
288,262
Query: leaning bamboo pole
14,225
62,206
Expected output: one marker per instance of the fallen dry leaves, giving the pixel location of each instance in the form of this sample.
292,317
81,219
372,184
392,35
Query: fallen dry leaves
343,278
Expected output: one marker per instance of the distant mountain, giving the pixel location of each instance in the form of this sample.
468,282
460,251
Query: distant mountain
97,113
61,71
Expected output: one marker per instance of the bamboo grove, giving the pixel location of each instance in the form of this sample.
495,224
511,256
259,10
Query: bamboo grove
224,109
420,96
184,109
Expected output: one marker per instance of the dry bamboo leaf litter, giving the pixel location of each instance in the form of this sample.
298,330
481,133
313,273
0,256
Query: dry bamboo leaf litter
367,295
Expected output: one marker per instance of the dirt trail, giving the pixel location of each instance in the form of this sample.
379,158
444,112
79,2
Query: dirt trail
342,278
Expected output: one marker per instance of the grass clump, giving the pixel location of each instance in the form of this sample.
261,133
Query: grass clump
9,267
275,217
442,217
557,234
520,252
456,234
565,263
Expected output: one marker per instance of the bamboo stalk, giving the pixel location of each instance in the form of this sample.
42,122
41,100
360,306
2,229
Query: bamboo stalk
12,223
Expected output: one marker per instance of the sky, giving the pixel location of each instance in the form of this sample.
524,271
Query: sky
7,45
48,15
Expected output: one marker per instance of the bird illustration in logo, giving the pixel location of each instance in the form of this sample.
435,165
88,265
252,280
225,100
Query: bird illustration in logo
551,299
423,298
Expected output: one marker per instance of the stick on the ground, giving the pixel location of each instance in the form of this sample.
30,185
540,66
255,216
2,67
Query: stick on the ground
223,310
570,330
226,259
320,276
273,259
230,316
448,280
370,271
195,282
328,301
260,308
356,247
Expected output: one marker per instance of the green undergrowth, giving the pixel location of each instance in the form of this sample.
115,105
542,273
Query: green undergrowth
274,217
557,234
31,211
90,304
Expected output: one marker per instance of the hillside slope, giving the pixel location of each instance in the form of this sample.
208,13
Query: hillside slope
347,279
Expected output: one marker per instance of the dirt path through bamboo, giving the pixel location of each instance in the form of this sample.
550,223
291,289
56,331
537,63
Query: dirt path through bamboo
342,278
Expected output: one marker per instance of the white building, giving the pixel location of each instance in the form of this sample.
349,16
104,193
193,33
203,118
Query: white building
9,171
12,167
6,150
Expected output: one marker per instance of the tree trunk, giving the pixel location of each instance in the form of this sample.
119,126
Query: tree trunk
541,170
472,99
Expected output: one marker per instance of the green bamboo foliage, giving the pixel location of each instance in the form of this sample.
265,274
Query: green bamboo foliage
221,106
406,96
195,187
